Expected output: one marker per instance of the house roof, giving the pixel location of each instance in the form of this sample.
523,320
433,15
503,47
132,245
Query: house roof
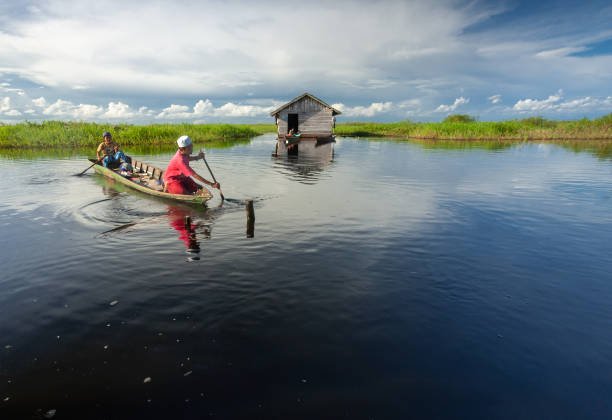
276,111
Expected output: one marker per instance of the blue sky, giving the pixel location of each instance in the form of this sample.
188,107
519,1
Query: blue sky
234,61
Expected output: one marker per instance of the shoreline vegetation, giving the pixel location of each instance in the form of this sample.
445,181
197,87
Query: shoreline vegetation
464,127
64,134
52,134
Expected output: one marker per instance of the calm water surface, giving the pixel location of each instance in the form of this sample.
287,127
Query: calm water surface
384,280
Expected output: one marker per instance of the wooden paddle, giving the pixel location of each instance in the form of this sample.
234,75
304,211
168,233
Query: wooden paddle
97,161
213,177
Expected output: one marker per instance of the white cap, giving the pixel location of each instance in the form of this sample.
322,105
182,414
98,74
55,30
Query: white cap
183,141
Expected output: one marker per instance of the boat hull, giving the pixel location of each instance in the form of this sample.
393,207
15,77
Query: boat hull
144,177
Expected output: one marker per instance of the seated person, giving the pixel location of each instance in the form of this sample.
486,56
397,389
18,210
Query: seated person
177,175
112,156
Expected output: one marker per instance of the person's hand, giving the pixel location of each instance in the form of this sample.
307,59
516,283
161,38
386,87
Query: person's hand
216,185
201,155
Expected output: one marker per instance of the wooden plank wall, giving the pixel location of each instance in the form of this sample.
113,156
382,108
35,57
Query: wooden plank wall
312,117
316,122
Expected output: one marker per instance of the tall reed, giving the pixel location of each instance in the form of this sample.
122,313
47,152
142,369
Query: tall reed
53,134
462,128
49,134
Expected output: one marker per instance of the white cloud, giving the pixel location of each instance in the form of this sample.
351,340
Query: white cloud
395,48
577,103
176,112
233,110
5,104
371,84
495,98
504,48
115,110
40,102
560,52
66,109
410,108
119,110
158,47
454,106
361,111
205,108
5,87
62,108
410,103
412,53
525,105
555,103
5,108
33,9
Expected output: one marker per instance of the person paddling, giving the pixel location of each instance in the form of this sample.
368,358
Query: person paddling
177,176
112,156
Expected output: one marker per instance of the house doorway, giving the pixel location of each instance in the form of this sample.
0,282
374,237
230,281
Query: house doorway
292,122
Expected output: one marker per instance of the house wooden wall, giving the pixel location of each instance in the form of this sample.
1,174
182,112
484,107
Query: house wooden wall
313,117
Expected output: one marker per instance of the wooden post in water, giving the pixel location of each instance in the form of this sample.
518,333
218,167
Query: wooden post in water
188,223
250,219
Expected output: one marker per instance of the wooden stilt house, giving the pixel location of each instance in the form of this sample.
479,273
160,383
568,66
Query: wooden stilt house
305,118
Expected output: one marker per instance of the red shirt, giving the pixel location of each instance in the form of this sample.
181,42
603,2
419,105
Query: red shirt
178,168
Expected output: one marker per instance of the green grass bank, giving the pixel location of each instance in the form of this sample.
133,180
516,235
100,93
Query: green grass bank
463,127
52,134
59,134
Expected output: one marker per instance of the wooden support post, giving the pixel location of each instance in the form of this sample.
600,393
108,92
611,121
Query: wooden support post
250,219
188,223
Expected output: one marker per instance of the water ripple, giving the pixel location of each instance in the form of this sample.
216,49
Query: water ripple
369,270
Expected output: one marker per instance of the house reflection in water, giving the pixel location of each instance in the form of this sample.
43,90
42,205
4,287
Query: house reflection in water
309,165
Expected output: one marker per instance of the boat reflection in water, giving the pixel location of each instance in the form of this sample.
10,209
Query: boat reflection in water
182,220
109,189
304,161
190,221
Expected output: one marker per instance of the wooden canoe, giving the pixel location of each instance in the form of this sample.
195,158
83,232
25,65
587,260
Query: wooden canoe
146,178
